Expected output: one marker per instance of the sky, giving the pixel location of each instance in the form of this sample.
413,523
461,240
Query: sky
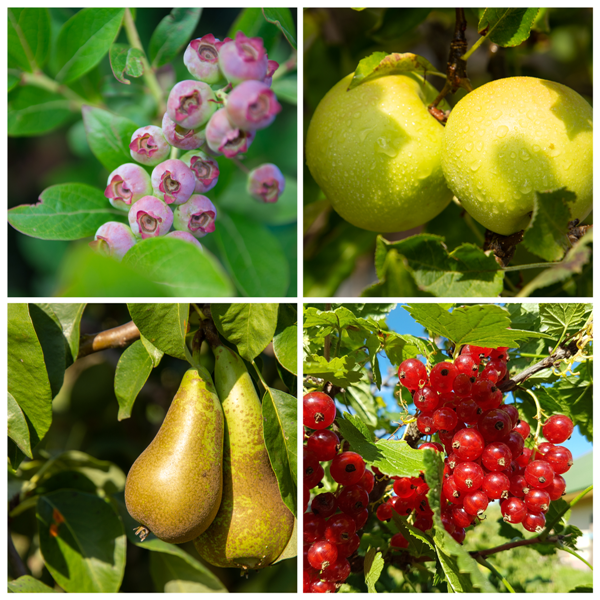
400,321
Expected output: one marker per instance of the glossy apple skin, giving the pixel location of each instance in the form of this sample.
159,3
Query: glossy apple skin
511,137
375,152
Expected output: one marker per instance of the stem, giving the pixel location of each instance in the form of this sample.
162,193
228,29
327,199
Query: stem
569,551
497,573
532,266
174,152
240,165
510,545
41,80
149,76
538,416
260,376
474,47
117,337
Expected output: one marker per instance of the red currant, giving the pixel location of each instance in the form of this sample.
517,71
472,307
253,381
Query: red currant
324,504
558,487
367,481
347,468
404,488
512,412
336,572
348,548
462,385
523,428
482,390
384,512
445,418
534,522
515,444
442,377
558,429
412,374
425,424
476,503
467,365
459,534
313,528
460,516
339,528
469,411
398,541
539,474
499,366
361,518
313,471
513,510
499,354
451,491
490,373
319,410
321,554
468,476
306,497
496,485
426,399
423,523
494,425
496,457
352,500
560,459
468,444
525,457
323,587
537,501
324,444
518,485
432,446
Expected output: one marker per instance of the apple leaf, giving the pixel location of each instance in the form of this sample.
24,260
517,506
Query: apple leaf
546,235
507,26
380,64
466,271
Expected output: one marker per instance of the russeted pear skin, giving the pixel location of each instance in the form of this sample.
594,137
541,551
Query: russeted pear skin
253,524
174,487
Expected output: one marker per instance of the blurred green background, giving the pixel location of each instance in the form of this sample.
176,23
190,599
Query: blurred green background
338,257
85,419
63,156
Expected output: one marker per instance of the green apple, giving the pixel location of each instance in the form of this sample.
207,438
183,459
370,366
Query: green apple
512,137
375,152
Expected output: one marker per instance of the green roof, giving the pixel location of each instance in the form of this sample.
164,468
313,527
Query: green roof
581,474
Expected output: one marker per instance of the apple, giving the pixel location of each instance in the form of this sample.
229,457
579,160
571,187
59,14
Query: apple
375,151
512,137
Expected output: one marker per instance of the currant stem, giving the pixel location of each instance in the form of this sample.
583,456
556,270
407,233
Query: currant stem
490,566
538,416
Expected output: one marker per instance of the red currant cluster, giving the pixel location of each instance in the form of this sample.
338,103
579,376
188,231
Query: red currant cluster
484,442
330,530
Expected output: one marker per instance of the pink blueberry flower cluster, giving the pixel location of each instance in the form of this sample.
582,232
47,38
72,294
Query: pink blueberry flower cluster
170,201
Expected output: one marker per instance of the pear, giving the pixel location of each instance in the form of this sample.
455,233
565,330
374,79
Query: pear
253,525
174,487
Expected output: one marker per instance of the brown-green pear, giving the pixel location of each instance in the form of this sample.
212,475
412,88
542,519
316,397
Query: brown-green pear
174,487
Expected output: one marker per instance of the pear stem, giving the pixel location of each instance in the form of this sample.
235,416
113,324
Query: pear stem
117,337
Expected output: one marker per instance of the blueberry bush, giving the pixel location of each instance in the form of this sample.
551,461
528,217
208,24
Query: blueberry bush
88,389
446,471
154,128
448,152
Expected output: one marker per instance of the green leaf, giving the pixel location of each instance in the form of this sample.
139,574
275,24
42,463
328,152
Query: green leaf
253,256
69,316
285,342
180,267
82,541
33,111
68,211
576,260
18,430
28,584
546,234
286,88
172,34
28,38
466,271
108,136
279,411
164,325
340,371
486,325
133,369
340,317
125,60
253,24
249,326
27,376
154,353
560,319
394,23
282,18
507,26
14,77
380,64
419,543
373,568
361,399
85,39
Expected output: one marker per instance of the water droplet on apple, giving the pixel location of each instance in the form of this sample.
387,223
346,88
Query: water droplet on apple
524,155
469,147
525,187
501,131
479,146
496,114
475,165
536,148
513,155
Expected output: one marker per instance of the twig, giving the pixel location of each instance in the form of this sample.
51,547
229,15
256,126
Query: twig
117,337
508,546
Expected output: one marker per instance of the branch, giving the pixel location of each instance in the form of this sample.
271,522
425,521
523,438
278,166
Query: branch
117,337
528,542
563,352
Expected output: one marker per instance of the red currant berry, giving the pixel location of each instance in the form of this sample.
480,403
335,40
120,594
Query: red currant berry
558,429
313,528
313,471
482,390
558,487
496,457
467,365
398,541
404,488
534,522
462,385
452,460
496,485
525,458
367,481
460,516
323,443
539,474
321,554
412,374
384,512
451,491
515,444
426,399
494,425
306,497
459,534
423,523
477,352
352,500
445,418
432,446
337,572
347,468
425,424
542,450
512,412
324,504
537,501
319,410
475,503
500,367
361,518
494,401
348,548
490,373
468,411
339,529
513,510
518,485
468,444
523,428
468,476
323,587
560,459
499,354
308,576
400,506
442,377
447,521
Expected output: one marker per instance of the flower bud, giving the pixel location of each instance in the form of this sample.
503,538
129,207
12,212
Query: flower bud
149,145
126,185
224,138
173,181
191,103
266,183
205,169
272,66
242,59
201,58
113,239
186,236
197,216
184,139
150,217
252,105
